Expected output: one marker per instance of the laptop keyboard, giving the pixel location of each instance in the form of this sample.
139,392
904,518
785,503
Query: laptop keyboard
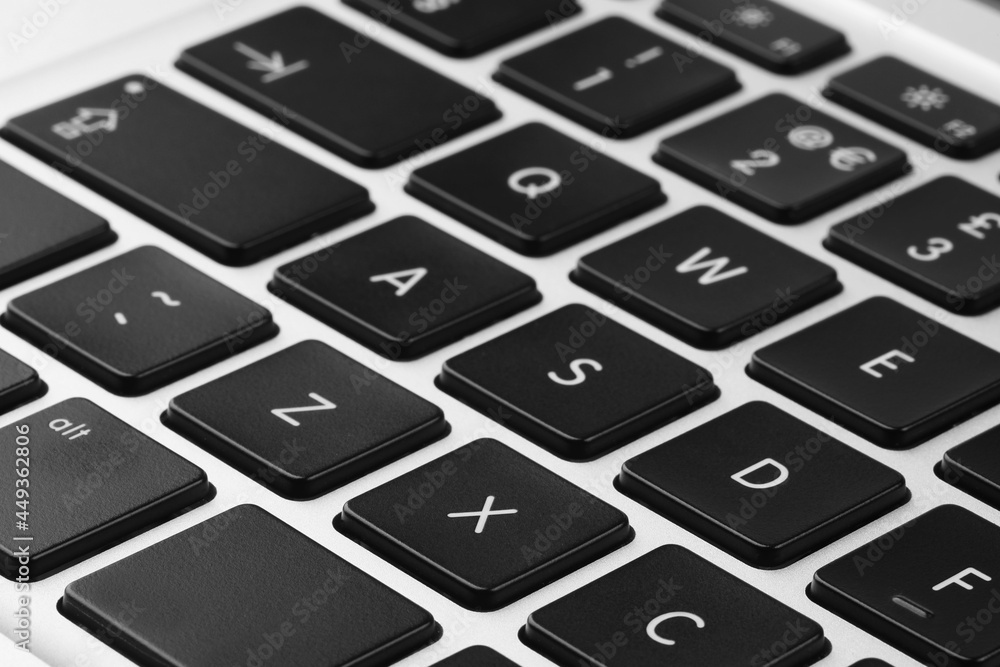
326,347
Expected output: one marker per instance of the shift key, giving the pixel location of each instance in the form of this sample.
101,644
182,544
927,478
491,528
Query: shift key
230,192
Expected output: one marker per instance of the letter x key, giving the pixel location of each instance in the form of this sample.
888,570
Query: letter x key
484,514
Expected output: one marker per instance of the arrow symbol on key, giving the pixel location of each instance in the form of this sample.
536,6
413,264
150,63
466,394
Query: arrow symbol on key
103,119
272,65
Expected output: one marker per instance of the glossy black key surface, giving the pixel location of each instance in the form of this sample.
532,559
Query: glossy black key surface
138,321
244,588
19,383
83,481
476,656
924,107
782,159
974,466
888,373
706,278
617,78
940,241
405,288
577,383
871,662
338,87
484,525
672,607
535,190
463,29
929,588
40,229
767,34
305,420
762,485
231,192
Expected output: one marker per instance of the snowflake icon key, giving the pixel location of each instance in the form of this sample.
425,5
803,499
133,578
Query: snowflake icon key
921,106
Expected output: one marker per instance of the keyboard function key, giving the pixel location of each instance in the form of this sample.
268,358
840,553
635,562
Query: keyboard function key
762,485
41,229
928,588
919,105
338,87
245,588
617,78
305,420
890,374
974,466
706,278
228,191
484,525
577,383
782,159
89,481
535,190
940,241
19,383
672,607
770,35
465,29
405,288
138,321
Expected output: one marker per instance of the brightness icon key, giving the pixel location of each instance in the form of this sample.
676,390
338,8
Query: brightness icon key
920,105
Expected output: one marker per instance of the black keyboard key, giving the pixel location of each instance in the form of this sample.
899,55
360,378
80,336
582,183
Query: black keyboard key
919,105
770,35
886,372
929,588
782,159
672,607
939,241
871,662
535,190
577,383
40,229
305,420
974,466
338,87
762,485
484,525
84,481
617,78
464,29
243,588
231,192
405,288
476,656
19,383
706,278
139,321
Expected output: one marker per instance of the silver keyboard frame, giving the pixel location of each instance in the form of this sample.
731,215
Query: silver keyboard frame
153,50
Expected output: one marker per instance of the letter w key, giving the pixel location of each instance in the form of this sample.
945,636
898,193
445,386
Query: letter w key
323,404
713,268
